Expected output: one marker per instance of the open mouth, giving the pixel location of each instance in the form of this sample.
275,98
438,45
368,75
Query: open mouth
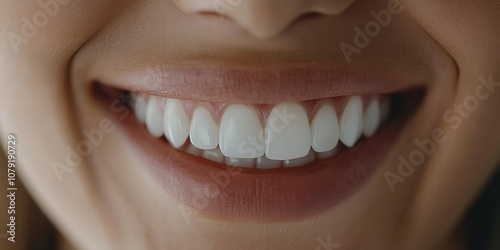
265,136
262,160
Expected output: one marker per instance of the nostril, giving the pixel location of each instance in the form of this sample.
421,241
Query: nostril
213,15
309,15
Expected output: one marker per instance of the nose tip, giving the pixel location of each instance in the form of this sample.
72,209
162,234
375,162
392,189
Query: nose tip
264,18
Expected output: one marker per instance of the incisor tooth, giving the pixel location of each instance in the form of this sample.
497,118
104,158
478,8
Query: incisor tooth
288,134
204,132
239,132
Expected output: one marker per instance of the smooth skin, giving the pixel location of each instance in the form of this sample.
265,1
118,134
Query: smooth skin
108,202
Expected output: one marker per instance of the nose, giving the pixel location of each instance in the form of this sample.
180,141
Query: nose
263,18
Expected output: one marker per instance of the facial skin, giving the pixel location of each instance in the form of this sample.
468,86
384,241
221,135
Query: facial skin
110,202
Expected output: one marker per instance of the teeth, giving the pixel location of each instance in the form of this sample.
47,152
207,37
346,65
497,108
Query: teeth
239,132
351,122
154,118
288,134
265,163
176,123
140,105
204,132
310,157
371,119
325,129
286,141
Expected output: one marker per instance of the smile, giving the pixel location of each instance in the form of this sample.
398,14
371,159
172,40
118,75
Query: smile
245,157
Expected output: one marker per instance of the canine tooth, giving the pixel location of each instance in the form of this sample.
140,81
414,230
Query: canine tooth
176,123
204,132
140,105
325,129
239,132
288,134
239,162
310,157
213,155
352,121
154,117
265,163
371,119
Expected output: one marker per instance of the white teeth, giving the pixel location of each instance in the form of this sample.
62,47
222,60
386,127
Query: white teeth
371,119
239,162
264,163
140,105
352,121
288,134
286,141
325,129
240,131
154,118
176,123
213,155
310,157
204,132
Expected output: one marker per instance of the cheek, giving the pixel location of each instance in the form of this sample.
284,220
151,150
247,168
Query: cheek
468,30
52,30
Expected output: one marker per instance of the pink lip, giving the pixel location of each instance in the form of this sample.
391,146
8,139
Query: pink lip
254,85
284,194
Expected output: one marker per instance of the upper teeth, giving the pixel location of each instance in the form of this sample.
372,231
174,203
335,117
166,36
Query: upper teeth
287,138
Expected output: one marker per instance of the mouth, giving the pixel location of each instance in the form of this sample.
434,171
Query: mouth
234,153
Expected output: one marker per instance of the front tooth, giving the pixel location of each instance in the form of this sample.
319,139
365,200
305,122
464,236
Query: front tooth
140,105
176,123
239,132
204,132
240,162
288,134
351,121
371,119
213,155
310,157
325,129
154,117
265,163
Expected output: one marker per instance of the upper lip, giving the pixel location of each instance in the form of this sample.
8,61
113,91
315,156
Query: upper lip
215,82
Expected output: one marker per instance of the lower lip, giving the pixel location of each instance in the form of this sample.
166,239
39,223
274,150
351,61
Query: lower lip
285,194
